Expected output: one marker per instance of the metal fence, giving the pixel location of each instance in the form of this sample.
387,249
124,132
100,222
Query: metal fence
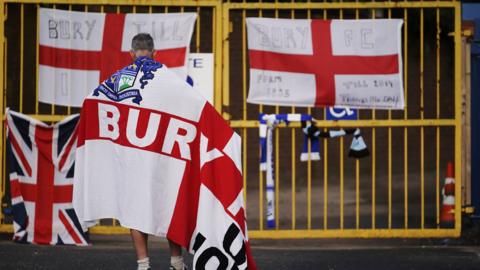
396,192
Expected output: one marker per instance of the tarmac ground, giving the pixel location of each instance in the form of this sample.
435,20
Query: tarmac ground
116,252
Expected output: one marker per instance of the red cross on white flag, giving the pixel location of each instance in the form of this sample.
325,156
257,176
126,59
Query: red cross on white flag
78,50
354,63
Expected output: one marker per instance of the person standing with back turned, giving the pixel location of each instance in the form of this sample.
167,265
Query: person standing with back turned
143,47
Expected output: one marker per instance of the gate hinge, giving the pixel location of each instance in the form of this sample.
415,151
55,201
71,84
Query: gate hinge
468,209
463,33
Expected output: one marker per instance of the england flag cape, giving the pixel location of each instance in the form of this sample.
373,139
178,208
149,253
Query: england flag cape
155,155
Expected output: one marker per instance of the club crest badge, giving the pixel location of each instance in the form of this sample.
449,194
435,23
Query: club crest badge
126,81
120,85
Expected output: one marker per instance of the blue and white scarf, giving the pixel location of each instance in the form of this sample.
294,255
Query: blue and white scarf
268,123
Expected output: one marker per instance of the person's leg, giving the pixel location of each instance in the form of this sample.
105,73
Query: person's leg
175,250
141,248
176,259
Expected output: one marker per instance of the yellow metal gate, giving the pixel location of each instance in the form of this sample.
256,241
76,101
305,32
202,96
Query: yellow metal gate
396,192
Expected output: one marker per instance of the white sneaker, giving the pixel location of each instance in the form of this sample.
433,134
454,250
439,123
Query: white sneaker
184,267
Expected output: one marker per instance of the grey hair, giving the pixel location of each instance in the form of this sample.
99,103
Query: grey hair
142,41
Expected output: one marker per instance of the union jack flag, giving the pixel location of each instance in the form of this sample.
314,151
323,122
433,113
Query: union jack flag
41,165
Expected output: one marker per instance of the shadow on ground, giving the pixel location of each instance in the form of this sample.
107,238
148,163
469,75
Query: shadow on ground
116,252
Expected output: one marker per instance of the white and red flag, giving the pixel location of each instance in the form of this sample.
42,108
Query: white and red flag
156,156
40,159
355,63
78,50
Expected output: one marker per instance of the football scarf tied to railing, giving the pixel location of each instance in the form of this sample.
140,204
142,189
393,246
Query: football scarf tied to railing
268,123
358,148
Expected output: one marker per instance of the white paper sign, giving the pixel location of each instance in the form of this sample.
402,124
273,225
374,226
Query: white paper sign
200,69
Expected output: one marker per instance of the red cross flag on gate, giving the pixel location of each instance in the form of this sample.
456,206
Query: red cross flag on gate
78,50
355,63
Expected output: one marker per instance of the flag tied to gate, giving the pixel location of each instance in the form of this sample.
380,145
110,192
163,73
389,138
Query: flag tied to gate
78,50
355,63
159,158
40,159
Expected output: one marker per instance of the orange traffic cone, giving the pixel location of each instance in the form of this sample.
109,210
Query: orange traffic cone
447,216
